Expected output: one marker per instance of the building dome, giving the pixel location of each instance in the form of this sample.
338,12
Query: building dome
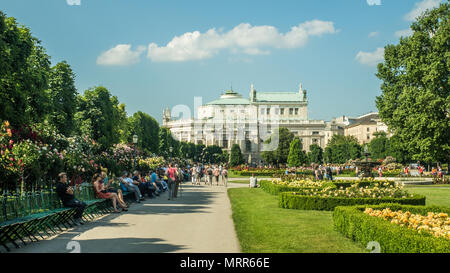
230,94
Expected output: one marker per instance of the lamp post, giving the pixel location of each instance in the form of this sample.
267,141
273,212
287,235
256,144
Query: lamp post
135,141
170,150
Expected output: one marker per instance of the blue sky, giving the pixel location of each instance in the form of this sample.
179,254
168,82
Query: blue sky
330,46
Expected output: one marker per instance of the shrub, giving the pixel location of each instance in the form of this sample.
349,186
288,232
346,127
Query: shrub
259,172
275,189
354,224
443,180
291,200
346,184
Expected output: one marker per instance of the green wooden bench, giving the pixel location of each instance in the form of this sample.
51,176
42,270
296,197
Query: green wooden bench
42,214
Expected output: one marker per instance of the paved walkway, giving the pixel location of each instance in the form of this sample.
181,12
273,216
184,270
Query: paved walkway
199,220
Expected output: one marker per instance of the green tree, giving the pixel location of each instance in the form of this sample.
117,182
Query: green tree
63,97
24,73
378,146
341,148
147,130
395,148
236,157
225,157
164,141
415,98
297,157
280,154
99,116
213,154
315,154
199,152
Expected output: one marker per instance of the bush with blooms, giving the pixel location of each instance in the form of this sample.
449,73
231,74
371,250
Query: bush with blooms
303,183
150,163
11,167
355,191
124,155
436,224
79,158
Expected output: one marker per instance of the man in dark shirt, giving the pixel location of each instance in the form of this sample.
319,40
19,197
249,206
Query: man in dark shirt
65,192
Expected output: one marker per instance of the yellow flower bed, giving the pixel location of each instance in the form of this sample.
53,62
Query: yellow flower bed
438,224
299,183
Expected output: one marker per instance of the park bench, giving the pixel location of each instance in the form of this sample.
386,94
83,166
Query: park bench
41,213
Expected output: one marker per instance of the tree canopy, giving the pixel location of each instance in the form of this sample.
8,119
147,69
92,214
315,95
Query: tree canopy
280,154
297,157
236,157
341,148
415,99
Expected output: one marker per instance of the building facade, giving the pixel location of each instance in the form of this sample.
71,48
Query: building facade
233,119
364,127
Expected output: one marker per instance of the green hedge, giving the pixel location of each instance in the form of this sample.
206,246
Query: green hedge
303,202
361,184
257,173
363,228
275,189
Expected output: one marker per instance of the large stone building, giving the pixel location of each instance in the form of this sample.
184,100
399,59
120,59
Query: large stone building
364,127
233,119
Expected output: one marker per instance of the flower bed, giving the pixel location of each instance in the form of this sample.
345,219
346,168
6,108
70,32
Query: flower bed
328,198
393,238
362,183
258,172
275,186
437,224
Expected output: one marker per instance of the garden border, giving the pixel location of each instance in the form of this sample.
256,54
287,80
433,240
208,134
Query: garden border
290,200
354,224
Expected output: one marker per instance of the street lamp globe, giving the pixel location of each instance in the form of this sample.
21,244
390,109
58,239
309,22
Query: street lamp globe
135,139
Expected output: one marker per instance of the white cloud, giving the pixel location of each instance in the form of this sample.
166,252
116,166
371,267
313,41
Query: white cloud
374,2
73,2
373,34
403,33
370,58
420,7
244,38
120,55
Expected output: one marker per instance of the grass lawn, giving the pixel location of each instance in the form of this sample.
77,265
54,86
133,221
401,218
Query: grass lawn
246,181
263,227
232,175
438,195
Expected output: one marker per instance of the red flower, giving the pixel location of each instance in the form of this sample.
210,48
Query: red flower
11,142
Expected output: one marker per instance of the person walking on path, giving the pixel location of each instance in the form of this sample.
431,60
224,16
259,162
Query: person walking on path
171,175
66,194
194,175
210,175
329,173
216,175
225,176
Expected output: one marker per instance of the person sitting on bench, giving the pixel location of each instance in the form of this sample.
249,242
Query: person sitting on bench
101,193
65,193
